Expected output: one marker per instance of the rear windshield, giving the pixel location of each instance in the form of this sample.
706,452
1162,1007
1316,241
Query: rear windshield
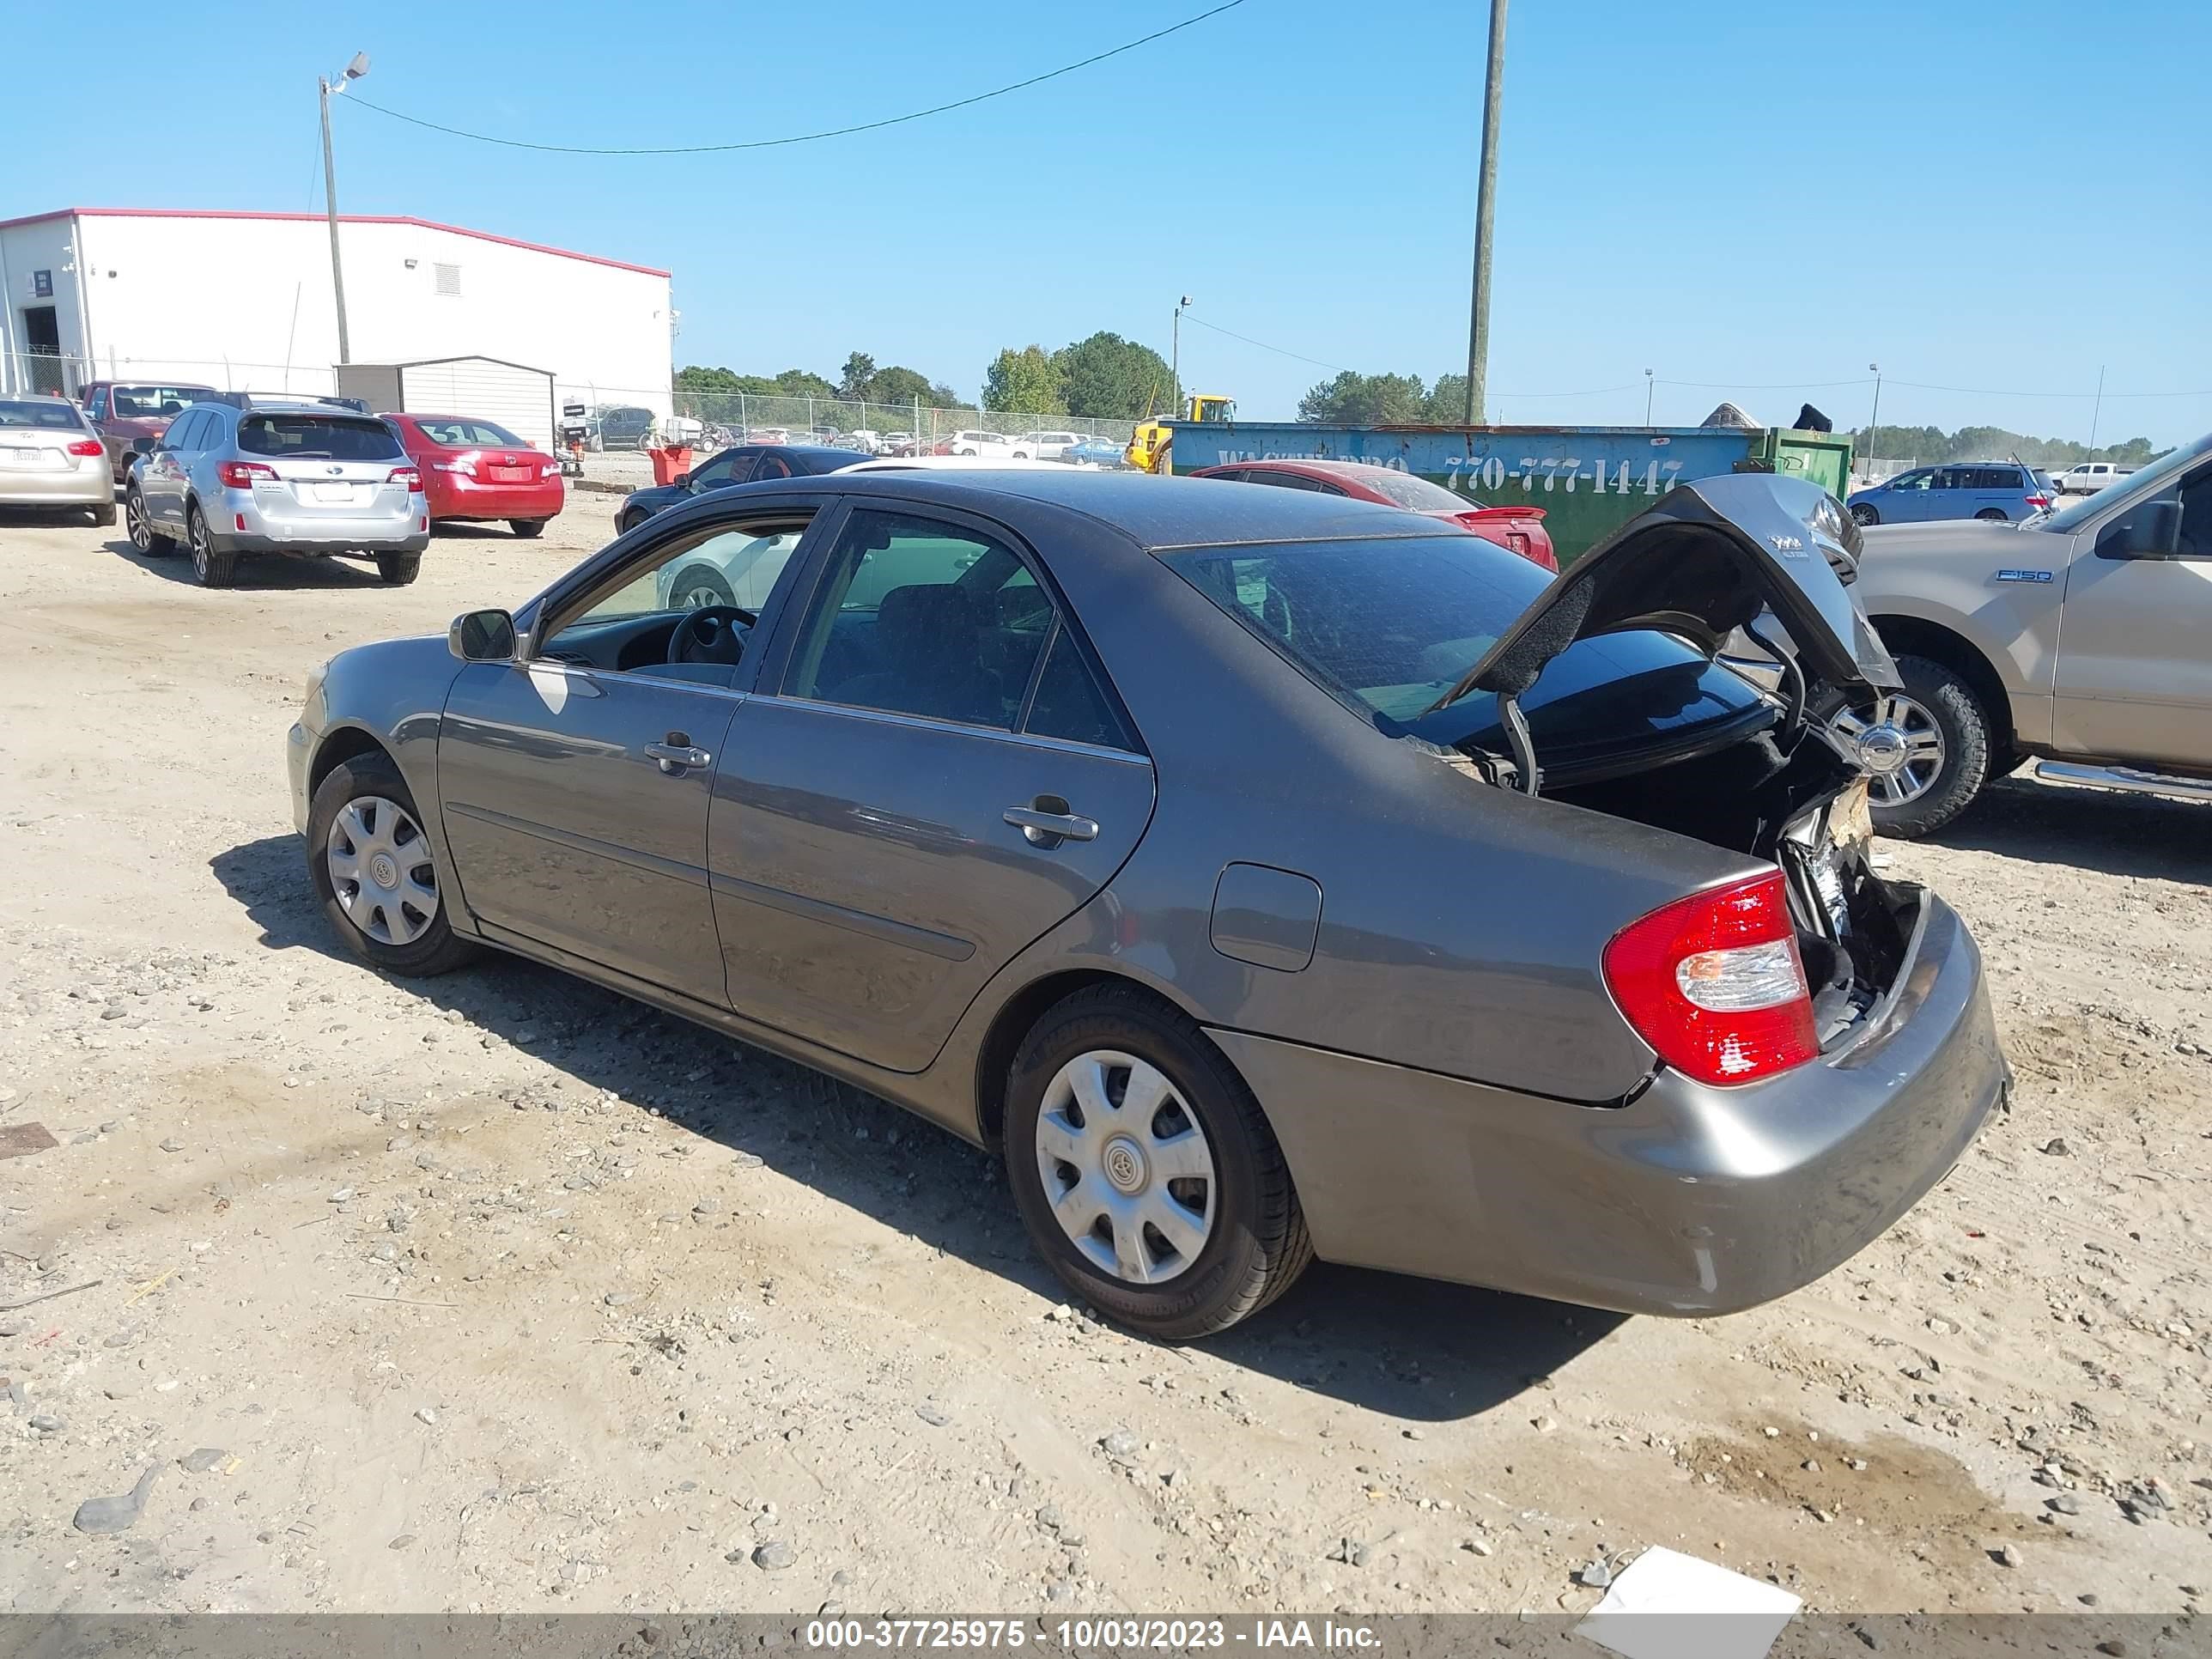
316,438
1416,495
1389,624
55,417
461,435
138,403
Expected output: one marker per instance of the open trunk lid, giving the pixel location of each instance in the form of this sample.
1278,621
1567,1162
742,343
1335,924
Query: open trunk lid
1707,559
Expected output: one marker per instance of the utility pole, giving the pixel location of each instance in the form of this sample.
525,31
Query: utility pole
1874,419
1478,330
1174,350
2097,409
353,72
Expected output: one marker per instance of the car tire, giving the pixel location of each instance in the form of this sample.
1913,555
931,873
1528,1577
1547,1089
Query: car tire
144,537
213,569
1862,516
1968,745
528,529
417,945
630,521
398,569
1993,515
103,516
1252,1242
698,585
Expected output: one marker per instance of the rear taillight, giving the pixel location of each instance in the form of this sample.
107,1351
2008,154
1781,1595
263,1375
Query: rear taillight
549,468
408,476
88,446
1713,982
2039,502
241,475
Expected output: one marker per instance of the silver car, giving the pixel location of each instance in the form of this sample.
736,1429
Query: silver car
50,457
297,478
1266,875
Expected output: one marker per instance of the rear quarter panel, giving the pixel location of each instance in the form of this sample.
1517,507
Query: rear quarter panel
1461,925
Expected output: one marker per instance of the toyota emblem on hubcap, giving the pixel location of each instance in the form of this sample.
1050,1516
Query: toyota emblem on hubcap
1125,1166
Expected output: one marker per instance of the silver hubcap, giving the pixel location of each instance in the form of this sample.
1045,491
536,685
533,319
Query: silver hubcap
1897,743
1126,1167
142,533
697,599
199,544
381,869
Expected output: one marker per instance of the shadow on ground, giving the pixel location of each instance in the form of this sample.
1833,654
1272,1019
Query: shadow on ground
254,570
1409,1347
2106,830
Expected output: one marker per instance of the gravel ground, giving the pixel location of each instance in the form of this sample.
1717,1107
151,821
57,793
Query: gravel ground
497,1293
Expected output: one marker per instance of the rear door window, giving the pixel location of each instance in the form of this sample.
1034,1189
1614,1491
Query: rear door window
318,438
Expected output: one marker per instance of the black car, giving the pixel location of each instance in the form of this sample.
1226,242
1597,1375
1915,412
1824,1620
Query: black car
745,464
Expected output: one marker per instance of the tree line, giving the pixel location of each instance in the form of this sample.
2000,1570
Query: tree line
1104,377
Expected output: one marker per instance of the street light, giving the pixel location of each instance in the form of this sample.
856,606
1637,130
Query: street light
352,72
1874,419
1174,349
1647,396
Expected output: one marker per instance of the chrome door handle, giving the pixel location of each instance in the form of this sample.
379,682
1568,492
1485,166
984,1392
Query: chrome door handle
1050,829
678,757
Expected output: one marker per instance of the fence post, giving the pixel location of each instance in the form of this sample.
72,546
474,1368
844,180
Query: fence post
810,413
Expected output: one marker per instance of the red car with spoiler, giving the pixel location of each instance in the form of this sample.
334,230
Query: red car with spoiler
476,469
1518,529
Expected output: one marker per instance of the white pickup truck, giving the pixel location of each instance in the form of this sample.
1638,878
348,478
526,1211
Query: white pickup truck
2088,477
2081,638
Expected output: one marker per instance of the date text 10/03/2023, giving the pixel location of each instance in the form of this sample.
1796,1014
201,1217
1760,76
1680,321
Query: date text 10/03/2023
1083,1636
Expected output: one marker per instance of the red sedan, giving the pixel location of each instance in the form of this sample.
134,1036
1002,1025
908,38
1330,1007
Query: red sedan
1519,529
474,469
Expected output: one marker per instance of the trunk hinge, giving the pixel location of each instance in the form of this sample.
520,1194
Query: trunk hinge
1528,777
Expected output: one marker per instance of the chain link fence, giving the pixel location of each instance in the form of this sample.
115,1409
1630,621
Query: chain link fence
739,416
42,374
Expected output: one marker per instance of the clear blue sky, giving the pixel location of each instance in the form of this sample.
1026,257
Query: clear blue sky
1737,194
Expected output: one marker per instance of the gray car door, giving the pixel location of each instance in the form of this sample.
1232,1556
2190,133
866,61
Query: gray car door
161,480
576,784
932,772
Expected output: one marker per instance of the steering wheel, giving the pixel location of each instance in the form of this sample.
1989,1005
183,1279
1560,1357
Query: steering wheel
713,633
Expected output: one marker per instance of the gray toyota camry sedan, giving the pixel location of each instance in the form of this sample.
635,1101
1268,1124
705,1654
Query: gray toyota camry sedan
1264,875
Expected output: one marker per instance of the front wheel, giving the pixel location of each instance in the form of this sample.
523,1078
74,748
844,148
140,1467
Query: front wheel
374,874
1862,516
213,569
1145,1171
696,585
1928,747
144,537
528,529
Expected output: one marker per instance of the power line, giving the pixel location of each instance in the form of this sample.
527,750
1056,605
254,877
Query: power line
1987,391
1280,351
1770,386
807,137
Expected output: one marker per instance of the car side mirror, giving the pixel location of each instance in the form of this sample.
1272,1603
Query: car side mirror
481,636
682,479
143,446
2152,531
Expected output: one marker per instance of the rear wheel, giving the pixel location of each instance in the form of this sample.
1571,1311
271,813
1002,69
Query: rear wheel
399,569
527,529
1863,514
104,514
144,537
1993,515
1946,742
214,570
1144,1170
374,874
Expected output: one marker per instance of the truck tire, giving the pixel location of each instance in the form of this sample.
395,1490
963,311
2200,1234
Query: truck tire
1963,767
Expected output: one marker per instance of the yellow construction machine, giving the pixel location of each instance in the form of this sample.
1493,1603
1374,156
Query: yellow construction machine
1149,443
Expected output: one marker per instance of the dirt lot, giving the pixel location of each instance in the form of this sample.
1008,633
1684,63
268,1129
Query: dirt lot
498,1292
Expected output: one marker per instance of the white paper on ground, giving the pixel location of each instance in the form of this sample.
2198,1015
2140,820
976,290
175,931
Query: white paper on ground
1666,1605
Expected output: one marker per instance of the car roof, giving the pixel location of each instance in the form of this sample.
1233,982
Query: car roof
1156,513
